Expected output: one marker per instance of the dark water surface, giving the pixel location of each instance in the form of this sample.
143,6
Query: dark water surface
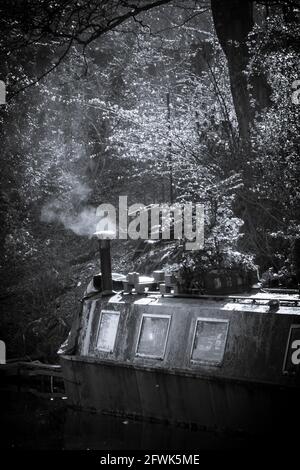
34,423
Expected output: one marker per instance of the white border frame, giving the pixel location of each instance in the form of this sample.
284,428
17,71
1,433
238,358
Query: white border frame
202,361
152,315
115,312
292,326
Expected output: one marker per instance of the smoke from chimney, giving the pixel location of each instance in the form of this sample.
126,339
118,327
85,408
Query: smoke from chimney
73,212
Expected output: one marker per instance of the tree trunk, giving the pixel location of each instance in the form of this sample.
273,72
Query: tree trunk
233,20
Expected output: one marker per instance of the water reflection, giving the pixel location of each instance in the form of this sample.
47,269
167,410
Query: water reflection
31,422
83,430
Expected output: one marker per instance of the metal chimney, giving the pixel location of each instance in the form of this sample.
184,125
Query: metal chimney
105,261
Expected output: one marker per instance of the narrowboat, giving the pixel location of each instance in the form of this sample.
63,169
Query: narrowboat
141,348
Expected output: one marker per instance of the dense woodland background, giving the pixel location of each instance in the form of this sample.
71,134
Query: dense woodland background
162,101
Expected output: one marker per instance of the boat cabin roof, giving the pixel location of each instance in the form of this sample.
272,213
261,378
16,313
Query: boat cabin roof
263,301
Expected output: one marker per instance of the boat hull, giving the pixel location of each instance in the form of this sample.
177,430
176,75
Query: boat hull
177,397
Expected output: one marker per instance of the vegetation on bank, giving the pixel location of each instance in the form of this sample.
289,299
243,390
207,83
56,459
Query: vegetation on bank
187,102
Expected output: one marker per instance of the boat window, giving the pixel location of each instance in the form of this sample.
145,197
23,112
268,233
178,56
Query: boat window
153,336
209,340
107,330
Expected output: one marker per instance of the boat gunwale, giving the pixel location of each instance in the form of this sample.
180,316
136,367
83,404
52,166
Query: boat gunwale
250,382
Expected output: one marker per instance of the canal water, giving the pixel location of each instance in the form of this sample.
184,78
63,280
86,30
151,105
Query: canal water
34,423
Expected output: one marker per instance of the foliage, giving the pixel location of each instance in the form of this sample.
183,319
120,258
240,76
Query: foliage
146,111
273,171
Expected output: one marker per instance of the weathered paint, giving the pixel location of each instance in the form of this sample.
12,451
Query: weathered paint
172,397
87,331
248,389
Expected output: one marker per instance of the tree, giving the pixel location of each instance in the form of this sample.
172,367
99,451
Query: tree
53,27
151,109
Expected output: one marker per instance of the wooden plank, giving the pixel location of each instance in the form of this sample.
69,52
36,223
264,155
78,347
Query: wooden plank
31,373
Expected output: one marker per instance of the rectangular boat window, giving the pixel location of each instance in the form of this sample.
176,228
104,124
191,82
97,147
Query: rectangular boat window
107,330
209,340
153,336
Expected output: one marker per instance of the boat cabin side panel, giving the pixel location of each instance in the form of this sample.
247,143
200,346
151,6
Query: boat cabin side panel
207,338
